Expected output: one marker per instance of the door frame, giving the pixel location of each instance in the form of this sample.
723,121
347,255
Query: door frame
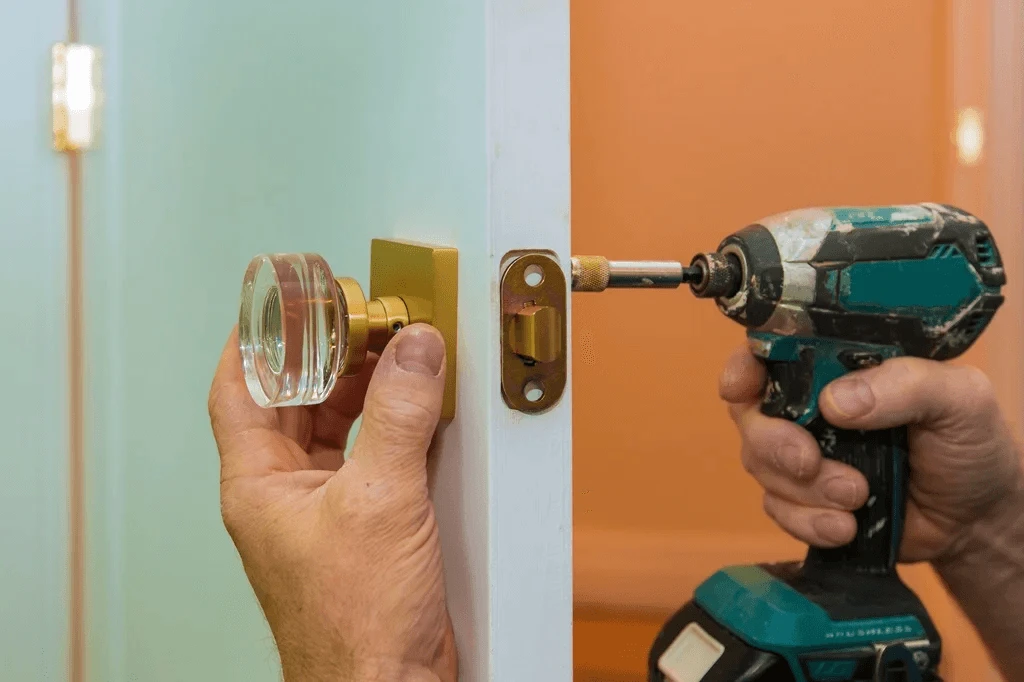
1004,191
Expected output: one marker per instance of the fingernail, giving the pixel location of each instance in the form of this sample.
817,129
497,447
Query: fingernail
831,528
793,461
851,397
841,491
420,351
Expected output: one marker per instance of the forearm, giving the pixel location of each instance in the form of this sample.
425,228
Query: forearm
986,576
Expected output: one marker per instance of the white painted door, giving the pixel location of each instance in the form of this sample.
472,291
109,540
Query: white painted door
239,127
33,402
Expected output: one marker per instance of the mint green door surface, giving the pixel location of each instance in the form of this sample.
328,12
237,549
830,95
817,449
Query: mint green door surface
238,127
34,402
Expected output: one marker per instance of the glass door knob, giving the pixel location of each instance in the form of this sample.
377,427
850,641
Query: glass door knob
300,328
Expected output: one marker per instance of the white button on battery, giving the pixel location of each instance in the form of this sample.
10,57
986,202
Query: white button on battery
691,655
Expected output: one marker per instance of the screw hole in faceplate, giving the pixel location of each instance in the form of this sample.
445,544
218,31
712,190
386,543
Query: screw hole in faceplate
533,275
533,391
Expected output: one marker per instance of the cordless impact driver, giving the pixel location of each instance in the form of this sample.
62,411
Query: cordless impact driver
824,292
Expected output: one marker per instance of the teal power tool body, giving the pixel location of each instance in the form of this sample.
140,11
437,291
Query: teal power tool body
824,292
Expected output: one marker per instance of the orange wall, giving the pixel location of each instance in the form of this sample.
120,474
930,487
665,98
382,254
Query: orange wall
691,120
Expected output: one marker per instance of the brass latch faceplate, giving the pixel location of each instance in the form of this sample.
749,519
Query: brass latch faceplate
533,316
533,331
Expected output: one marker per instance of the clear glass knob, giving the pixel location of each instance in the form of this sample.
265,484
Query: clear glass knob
292,329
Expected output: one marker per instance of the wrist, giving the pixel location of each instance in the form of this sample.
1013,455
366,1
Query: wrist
371,670
378,670
989,537
985,574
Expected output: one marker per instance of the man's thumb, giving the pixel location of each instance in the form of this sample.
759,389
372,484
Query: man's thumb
403,402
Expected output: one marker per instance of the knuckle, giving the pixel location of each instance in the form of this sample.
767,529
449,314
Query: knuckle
230,511
764,441
216,399
222,400
409,414
730,383
910,386
795,464
775,455
747,460
975,388
402,418
742,377
911,373
242,508
211,409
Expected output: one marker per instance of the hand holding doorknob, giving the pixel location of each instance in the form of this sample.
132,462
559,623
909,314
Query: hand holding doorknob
343,556
300,329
